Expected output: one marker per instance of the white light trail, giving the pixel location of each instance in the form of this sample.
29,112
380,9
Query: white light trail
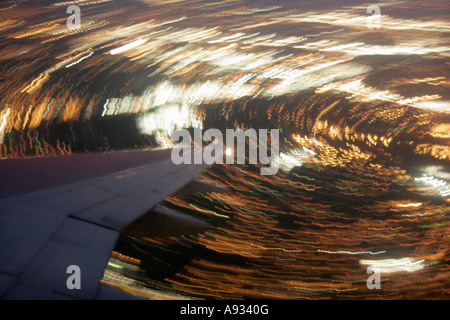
394,265
128,46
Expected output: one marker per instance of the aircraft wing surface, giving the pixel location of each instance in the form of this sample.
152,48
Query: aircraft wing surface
74,218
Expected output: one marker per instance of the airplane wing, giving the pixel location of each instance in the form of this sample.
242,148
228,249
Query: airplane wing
70,212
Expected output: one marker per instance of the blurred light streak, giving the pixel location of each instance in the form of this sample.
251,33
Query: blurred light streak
127,46
394,265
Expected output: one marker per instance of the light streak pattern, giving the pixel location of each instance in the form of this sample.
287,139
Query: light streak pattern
364,117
